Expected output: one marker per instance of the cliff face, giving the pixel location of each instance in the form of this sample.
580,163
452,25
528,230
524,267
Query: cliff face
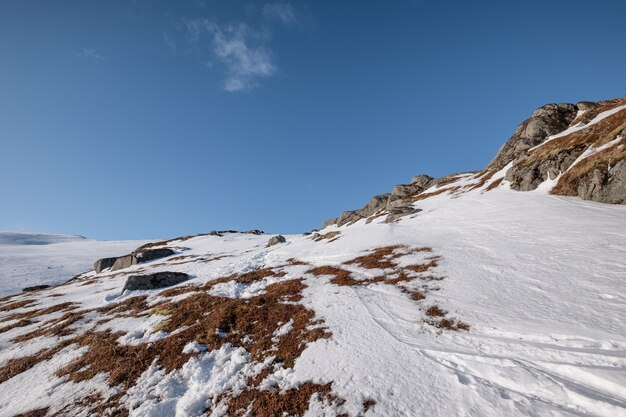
581,147
586,159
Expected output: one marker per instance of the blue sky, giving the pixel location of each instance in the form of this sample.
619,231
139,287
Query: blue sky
150,119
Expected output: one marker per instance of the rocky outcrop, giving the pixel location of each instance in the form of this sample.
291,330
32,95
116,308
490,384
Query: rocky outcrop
382,204
275,240
545,121
396,213
137,257
102,264
587,160
528,176
154,281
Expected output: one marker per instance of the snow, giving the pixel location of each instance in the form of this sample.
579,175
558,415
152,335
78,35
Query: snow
188,392
28,259
539,278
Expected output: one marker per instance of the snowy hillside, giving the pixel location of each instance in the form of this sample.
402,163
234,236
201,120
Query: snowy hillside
28,259
447,297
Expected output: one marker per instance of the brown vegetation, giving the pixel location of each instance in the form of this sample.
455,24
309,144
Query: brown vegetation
271,403
494,184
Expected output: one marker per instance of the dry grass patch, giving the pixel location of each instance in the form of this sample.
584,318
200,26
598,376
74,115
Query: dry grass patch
17,366
598,134
437,318
18,304
435,311
494,184
483,178
211,321
29,315
272,403
341,276
20,323
40,412
56,327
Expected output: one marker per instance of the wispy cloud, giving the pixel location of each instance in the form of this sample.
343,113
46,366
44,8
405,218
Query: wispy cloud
283,12
242,50
170,43
91,54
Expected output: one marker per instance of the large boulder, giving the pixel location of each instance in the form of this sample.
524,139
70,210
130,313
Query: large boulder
154,281
102,264
140,257
275,240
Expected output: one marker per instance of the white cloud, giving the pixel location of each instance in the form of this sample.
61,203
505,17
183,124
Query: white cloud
239,48
281,11
91,54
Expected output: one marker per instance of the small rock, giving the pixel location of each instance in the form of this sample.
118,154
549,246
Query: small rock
275,240
35,288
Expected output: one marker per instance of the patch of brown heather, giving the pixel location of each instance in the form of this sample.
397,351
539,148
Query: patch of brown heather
21,323
494,184
17,366
212,321
342,277
271,403
40,412
29,315
17,304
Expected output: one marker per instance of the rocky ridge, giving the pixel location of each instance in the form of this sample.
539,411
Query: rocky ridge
582,147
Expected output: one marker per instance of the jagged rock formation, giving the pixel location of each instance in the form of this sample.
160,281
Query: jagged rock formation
141,255
582,146
545,121
383,203
587,157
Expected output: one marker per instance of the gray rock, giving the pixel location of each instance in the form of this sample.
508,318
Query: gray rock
330,222
586,105
140,257
423,180
524,177
398,212
605,185
275,240
152,254
102,264
348,216
35,288
154,281
124,262
377,203
545,121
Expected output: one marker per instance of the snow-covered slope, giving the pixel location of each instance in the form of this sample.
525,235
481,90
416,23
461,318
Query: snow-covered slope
467,299
28,259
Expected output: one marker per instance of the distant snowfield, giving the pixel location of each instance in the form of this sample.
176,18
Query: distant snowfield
28,259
